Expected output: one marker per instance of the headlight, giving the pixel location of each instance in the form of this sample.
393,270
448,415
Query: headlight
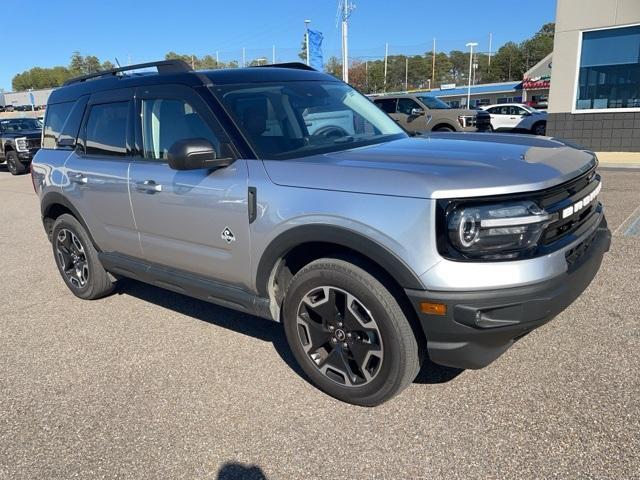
496,231
21,144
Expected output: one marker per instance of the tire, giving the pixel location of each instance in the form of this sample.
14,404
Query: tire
539,128
374,330
77,260
14,165
444,129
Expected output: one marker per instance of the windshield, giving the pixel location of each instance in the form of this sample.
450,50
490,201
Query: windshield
294,119
19,125
434,103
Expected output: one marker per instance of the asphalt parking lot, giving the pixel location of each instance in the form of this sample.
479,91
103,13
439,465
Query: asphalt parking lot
151,384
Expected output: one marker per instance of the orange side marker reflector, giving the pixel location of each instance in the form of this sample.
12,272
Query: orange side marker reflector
433,308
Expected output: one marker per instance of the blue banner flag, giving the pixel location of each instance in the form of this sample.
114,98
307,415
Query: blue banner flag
315,50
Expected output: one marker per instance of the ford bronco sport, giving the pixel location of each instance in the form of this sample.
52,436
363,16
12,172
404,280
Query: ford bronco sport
282,192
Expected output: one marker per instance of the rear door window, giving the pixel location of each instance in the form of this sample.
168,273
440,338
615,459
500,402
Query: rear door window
106,129
54,119
388,105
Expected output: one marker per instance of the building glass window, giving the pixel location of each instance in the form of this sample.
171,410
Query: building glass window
609,74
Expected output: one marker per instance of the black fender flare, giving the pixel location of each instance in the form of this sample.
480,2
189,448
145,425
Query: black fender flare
50,199
344,237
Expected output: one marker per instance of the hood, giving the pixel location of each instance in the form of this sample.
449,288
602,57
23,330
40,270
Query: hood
451,165
23,133
467,112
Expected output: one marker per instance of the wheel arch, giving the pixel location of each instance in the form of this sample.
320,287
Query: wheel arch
443,124
53,205
324,239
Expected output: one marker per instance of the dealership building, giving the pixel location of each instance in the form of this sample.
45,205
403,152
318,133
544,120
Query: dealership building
595,94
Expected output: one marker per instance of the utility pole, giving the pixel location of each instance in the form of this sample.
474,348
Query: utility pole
217,59
433,65
273,54
193,64
366,75
470,45
406,74
490,46
386,54
347,8
244,58
306,39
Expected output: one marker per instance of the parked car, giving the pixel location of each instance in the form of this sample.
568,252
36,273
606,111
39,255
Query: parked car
372,248
420,112
517,117
19,142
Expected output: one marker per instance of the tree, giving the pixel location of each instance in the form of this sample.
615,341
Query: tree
302,55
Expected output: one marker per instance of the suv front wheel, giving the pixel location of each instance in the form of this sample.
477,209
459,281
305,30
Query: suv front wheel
348,333
14,165
77,260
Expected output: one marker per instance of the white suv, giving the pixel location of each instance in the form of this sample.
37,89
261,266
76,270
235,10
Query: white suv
517,117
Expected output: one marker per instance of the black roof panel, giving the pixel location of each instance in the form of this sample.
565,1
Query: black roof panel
195,78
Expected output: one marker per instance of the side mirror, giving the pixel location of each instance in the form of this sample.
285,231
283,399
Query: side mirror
416,111
195,153
526,114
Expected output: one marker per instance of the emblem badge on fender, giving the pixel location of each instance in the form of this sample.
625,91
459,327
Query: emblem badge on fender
227,235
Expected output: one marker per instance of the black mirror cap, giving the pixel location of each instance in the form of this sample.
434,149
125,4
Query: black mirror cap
195,153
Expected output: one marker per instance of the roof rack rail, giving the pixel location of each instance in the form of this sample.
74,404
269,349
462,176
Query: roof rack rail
163,66
294,65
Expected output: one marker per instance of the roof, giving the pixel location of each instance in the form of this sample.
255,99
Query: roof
190,78
503,87
548,59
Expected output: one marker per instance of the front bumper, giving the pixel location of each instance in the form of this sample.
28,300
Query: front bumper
26,156
479,326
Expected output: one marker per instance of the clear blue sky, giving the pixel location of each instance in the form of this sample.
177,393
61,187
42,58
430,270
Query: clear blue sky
46,33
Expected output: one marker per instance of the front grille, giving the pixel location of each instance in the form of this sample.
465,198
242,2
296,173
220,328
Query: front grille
483,122
33,143
556,200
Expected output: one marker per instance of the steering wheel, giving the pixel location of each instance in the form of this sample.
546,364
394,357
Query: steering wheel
330,131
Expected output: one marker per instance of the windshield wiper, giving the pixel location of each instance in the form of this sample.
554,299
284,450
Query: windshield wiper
345,139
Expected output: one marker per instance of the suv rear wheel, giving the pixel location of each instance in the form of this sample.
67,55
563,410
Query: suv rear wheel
14,165
348,333
77,260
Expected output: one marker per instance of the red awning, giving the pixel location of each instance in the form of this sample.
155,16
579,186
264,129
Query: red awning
536,84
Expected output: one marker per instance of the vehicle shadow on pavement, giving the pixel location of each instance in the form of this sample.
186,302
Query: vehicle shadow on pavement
259,328
238,471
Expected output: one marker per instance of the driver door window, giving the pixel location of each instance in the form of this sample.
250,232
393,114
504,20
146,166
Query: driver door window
166,121
405,105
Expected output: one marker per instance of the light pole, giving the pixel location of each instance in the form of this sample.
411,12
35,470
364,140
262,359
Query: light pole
470,45
306,27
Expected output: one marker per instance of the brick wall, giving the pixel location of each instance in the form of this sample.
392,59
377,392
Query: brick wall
600,132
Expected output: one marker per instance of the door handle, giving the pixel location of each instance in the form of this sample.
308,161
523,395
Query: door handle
148,186
77,177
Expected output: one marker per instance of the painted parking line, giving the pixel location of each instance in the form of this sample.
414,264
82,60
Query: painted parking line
633,230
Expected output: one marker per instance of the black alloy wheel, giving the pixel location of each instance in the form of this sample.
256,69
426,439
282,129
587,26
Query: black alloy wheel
340,336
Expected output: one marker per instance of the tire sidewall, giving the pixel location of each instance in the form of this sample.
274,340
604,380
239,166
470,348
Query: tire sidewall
391,363
12,163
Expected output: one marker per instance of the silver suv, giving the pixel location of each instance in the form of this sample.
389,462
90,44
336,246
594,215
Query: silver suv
284,193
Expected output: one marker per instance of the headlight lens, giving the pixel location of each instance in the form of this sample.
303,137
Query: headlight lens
496,231
21,144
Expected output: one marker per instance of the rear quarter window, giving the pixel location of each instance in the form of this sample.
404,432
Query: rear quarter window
54,119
